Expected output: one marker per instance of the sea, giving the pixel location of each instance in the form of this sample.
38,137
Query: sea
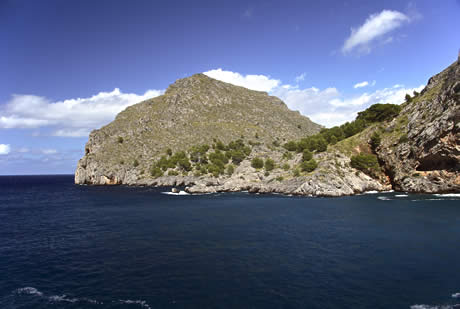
69,246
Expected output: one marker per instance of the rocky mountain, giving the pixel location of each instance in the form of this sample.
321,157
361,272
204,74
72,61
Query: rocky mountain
193,111
228,138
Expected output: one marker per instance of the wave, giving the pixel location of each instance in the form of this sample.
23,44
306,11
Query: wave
371,192
384,198
142,303
448,195
435,306
174,193
64,298
401,195
456,295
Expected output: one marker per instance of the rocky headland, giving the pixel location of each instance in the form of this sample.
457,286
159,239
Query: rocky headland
210,136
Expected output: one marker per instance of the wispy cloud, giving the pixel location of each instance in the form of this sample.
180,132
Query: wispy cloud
72,117
300,77
361,84
376,26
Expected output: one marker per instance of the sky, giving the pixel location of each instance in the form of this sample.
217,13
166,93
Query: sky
68,67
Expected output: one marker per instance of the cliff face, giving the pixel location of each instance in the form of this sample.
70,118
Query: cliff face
193,111
421,147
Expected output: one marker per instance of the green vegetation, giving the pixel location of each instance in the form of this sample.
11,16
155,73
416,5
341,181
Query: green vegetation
269,165
230,169
120,140
307,155
366,163
403,139
257,163
286,167
375,140
319,142
308,166
156,172
135,163
169,152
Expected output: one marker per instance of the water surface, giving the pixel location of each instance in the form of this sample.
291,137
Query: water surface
67,246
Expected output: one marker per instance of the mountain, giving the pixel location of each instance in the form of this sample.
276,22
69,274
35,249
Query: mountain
193,111
211,136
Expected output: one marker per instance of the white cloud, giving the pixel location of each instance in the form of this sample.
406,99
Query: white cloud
328,106
254,82
4,149
72,117
48,151
375,26
361,84
300,78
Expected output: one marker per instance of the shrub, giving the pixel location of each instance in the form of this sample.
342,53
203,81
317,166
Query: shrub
296,172
375,140
230,169
276,143
156,172
173,173
135,163
290,146
306,155
169,152
184,164
269,164
257,163
309,166
286,167
287,156
267,173
321,144
279,178
379,112
120,140
366,163
403,139
408,98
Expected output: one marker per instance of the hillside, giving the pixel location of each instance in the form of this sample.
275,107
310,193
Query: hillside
212,136
197,110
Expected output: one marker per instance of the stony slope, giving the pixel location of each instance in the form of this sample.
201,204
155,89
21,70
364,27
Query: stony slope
418,149
193,111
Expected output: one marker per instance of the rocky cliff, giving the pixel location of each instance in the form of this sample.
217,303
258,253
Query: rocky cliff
227,138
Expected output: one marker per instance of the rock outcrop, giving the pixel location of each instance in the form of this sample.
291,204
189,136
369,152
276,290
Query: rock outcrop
419,149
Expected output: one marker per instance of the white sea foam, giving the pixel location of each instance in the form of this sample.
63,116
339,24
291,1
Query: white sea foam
371,192
55,298
174,193
434,306
62,298
141,303
448,195
456,295
384,198
401,195
29,290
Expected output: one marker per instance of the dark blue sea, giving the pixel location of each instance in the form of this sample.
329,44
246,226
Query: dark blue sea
68,246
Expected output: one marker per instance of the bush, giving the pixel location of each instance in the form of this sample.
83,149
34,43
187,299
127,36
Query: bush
290,146
287,156
279,178
375,140
306,155
120,140
403,139
230,169
156,172
286,167
296,172
269,165
135,163
309,166
366,163
379,112
408,98
169,152
173,173
257,163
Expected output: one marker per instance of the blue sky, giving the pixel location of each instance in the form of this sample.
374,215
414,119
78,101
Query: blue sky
67,67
